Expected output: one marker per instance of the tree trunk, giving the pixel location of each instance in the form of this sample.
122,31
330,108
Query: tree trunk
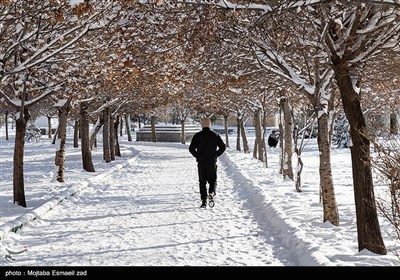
62,137
55,137
76,133
258,131
128,127
255,148
106,135
327,190
282,153
112,137
6,121
94,132
299,170
256,139
238,134
121,127
226,131
394,124
18,173
368,229
244,137
153,129
288,146
139,123
48,127
116,142
261,147
85,141
183,137
264,132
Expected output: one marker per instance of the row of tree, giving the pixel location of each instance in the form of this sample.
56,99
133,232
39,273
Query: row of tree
100,61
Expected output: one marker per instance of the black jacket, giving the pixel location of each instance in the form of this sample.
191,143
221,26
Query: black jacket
272,141
206,146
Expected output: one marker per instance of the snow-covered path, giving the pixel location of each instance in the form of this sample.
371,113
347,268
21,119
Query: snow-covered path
147,214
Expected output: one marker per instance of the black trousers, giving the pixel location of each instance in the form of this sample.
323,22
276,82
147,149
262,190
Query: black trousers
207,174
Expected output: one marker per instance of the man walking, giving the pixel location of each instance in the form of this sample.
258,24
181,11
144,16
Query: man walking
206,146
273,139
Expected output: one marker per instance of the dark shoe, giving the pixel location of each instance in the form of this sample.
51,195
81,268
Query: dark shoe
211,194
203,204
